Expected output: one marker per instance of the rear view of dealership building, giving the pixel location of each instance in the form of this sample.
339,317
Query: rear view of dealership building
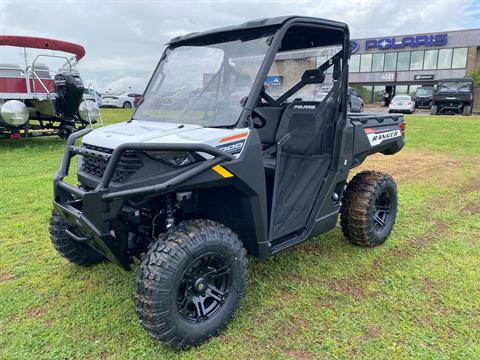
401,64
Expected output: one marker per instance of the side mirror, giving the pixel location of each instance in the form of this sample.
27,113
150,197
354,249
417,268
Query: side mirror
313,76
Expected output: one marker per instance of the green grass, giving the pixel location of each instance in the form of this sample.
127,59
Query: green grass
416,296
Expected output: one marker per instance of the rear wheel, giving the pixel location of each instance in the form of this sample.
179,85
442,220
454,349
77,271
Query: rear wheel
433,110
467,110
127,105
369,208
75,252
190,283
362,107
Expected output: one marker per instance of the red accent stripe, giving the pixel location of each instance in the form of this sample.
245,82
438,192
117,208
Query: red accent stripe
369,131
19,85
234,137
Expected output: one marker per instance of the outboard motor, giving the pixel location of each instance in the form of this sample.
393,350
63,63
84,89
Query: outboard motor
69,88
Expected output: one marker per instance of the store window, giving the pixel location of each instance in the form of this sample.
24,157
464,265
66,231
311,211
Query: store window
354,63
413,89
459,58
401,90
390,62
445,58
416,60
430,62
378,92
365,92
366,63
377,62
403,61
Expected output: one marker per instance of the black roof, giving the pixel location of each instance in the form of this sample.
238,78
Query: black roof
255,24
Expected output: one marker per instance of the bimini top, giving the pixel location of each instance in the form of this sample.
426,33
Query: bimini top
43,43
255,24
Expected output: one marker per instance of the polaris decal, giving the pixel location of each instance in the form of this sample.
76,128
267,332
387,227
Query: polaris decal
304,107
233,148
377,136
407,41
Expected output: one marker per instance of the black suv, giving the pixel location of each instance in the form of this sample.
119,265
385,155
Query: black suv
423,97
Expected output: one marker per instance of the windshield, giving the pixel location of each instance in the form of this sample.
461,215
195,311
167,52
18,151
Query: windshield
204,84
424,92
461,86
402,98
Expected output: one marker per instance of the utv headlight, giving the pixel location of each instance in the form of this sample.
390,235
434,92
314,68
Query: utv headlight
173,158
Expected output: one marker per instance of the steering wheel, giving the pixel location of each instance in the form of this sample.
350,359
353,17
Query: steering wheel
258,120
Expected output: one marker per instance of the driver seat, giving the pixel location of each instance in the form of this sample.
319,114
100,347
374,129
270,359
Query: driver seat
295,113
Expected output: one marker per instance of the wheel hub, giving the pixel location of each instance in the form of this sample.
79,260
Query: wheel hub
204,288
200,284
382,210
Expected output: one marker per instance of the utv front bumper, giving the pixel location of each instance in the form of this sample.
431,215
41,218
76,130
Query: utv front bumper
95,213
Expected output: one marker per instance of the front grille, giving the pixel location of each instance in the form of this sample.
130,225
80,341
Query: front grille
128,164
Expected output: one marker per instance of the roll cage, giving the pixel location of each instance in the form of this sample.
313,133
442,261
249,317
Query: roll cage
280,26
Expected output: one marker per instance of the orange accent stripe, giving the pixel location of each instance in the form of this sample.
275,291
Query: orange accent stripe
369,131
234,137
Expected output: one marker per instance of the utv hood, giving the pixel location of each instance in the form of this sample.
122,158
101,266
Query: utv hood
135,132
138,131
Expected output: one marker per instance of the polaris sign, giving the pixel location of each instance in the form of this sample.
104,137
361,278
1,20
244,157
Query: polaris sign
407,41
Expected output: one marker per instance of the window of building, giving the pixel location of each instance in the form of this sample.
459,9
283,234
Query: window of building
416,60
401,90
365,92
445,58
366,63
413,89
459,58
403,61
377,62
354,63
378,92
430,61
390,62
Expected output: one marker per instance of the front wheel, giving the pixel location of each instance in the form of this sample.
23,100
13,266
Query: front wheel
190,283
467,111
433,110
74,251
369,208
127,105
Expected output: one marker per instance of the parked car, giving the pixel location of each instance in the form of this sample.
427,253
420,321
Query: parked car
355,101
423,97
126,101
402,103
91,94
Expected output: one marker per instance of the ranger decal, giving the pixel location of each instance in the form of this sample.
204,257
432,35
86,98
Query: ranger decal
377,136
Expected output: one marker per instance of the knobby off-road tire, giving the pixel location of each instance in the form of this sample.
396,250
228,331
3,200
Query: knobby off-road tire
75,252
369,208
433,110
467,111
190,283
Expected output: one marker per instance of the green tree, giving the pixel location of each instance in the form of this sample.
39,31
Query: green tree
476,76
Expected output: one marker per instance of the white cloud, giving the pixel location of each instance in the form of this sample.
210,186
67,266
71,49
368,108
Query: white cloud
125,39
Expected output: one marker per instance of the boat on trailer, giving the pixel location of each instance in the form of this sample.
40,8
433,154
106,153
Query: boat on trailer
34,100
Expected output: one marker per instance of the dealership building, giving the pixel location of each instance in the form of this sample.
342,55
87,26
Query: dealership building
401,64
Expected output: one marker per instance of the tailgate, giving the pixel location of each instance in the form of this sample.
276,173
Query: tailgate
373,133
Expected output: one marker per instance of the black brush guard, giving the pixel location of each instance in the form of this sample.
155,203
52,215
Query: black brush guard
94,211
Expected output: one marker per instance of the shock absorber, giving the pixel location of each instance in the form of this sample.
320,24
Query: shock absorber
170,207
